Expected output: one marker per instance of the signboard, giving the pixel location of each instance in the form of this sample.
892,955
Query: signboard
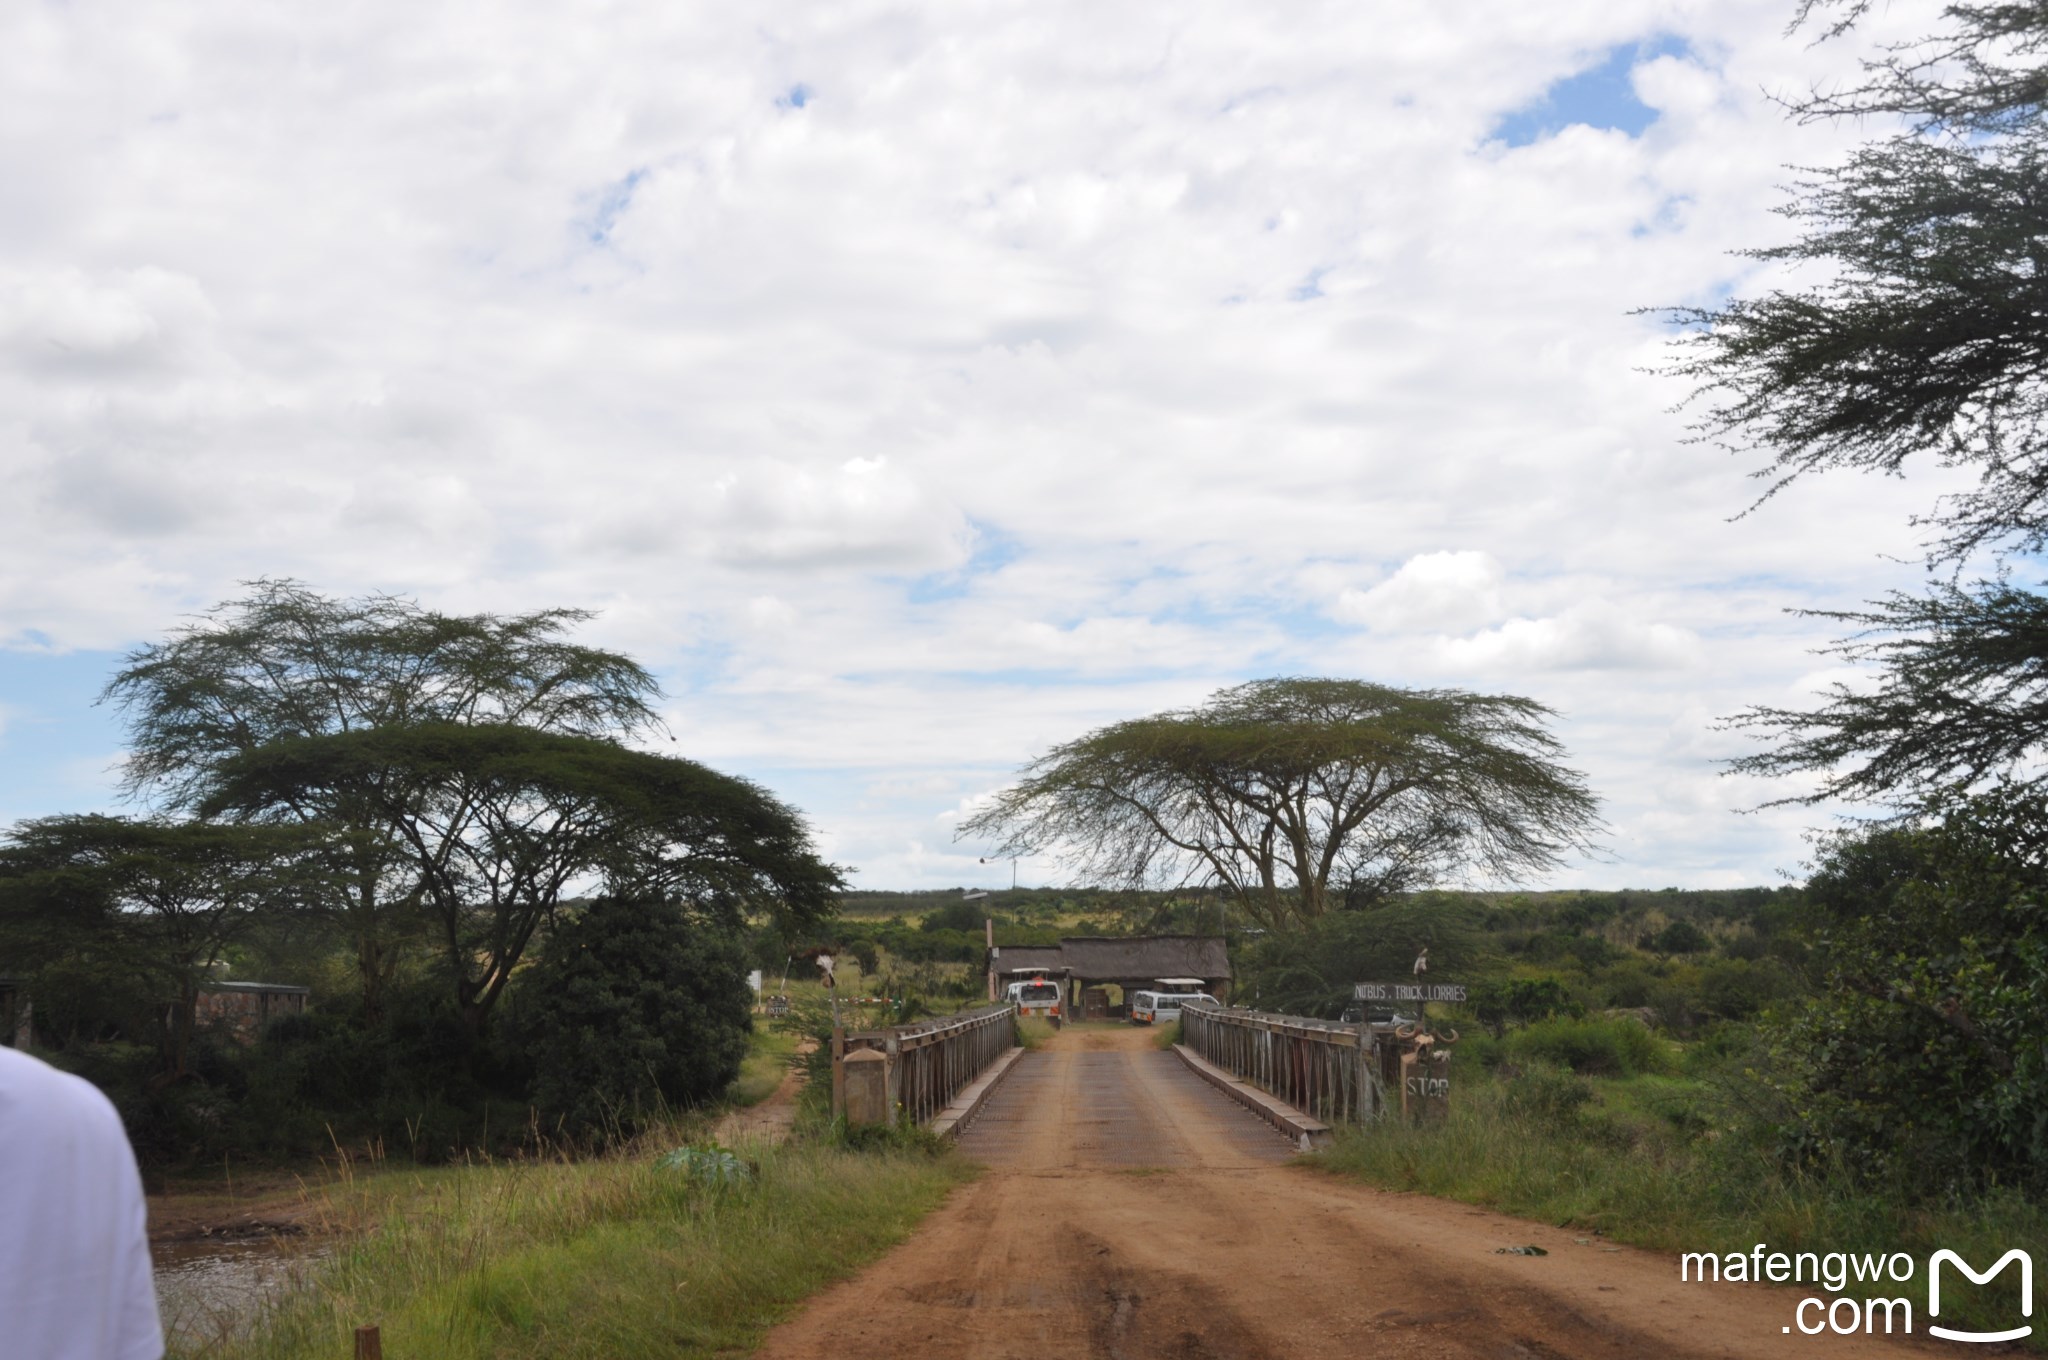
1426,1084
1411,992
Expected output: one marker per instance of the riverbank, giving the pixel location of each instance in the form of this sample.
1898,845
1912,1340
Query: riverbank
619,1256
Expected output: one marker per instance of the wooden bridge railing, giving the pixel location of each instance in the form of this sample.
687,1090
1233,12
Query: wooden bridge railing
1328,1069
931,1061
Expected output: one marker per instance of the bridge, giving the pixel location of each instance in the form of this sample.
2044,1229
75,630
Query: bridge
1130,1209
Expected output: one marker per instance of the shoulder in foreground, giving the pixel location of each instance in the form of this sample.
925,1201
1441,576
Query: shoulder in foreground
30,1086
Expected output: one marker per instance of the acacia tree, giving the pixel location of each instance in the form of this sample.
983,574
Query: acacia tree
1961,700
1925,340
153,902
499,824
1282,792
286,662
1924,337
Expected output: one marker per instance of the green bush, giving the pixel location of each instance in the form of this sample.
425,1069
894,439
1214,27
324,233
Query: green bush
1601,1047
634,1008
1549,1095
1680,937
1923,1056
1505,1001
1738,989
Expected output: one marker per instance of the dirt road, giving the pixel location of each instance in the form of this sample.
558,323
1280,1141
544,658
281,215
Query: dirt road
1132,1212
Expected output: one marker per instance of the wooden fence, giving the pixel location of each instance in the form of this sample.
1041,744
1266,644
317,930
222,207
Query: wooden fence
931,1061
1328,1069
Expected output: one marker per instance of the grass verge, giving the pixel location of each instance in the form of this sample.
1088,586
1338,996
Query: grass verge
577,1261
1638,1160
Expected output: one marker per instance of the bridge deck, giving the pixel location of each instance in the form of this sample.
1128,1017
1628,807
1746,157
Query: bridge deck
1099,1106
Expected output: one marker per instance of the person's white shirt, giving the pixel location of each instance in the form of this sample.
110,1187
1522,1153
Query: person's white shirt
75,1281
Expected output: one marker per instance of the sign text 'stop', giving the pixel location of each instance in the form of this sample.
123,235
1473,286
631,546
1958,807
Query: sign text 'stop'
1409,991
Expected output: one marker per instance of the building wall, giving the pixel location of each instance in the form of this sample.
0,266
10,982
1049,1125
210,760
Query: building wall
242,1015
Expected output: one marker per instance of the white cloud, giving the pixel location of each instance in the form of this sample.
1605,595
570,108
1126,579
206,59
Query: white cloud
1595,635
1046,366
1439,592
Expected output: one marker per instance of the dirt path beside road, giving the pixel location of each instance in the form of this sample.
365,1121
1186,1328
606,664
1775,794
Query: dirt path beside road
1132,1212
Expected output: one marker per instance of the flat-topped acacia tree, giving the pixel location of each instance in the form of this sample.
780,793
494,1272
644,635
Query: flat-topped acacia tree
285,662
1294,794
500,825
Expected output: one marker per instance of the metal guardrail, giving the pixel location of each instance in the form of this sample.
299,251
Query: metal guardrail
1328,1069
931,1061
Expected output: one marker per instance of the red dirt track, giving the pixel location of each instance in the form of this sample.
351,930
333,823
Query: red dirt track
1132,1212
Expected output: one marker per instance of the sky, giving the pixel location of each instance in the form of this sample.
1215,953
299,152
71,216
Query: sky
915,386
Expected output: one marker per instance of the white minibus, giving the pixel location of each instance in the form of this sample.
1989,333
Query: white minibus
1035,996
1162,1008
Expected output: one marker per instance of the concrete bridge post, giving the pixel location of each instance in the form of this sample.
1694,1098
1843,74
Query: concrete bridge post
867,1088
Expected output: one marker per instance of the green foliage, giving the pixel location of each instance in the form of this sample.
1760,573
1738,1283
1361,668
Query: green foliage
1618,1048
1500,1002
1925,1049
1311,971
146,907
635,1008
1961,697
286,662
954,915
1675,1165
1740,989
897,1138
1552,1097
498,819
1916,334
1680,937
1292,795
708,1165
1921,334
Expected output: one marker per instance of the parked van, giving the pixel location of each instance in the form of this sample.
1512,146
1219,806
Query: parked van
1035,996
1163,1008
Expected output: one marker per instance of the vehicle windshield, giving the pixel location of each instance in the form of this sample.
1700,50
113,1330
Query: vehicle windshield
1042,991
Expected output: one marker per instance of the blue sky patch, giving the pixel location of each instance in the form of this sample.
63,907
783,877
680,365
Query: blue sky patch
1310,288
55,745
612,204
1601,96
993,550
795,97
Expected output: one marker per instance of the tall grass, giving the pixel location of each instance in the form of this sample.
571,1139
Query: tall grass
1651,1161
580,1260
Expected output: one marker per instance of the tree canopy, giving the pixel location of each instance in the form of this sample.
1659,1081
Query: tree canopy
1923,340
284,662
635,1008
1961,699
153,902
498,824
1296,794
1924,336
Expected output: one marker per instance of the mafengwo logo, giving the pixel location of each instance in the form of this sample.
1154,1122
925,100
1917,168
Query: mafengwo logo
2026,1293
1835,1270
